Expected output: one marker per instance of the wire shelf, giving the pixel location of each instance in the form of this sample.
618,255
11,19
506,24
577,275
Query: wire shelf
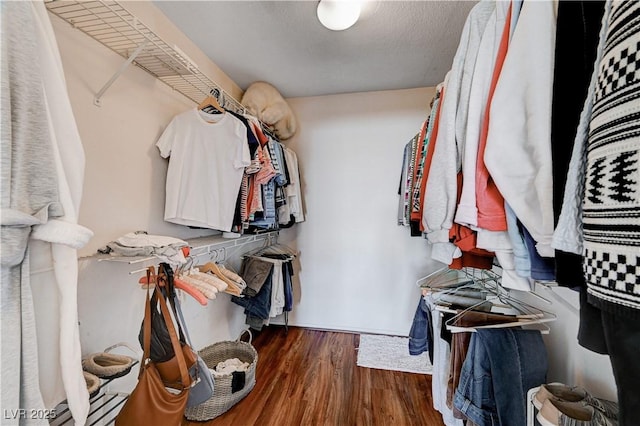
214,245
109,23
104,407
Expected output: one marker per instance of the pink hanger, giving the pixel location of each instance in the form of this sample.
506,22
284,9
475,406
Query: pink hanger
191,291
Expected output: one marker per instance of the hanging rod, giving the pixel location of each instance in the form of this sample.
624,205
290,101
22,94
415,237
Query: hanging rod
111,24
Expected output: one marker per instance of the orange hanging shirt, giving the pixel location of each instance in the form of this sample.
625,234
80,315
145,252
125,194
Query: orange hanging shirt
490,203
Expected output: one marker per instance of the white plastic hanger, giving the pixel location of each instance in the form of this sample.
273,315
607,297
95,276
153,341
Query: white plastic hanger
529,315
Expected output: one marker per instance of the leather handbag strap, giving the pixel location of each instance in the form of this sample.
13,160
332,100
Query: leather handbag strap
146,347
182,364
170,294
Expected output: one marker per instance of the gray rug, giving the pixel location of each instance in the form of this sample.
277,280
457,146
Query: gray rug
391,353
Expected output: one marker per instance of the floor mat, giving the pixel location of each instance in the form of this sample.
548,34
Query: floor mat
391,353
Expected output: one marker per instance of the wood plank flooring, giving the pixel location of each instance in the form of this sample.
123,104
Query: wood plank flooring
310,377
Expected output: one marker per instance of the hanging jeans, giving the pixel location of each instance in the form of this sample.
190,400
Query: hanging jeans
255,273
287,272
269,219
460,346
500,367
259,305
420,339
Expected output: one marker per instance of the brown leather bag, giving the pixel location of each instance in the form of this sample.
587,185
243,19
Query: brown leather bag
151,403
170,370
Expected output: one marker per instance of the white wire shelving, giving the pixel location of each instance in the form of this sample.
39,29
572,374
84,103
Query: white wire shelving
214,247
114,26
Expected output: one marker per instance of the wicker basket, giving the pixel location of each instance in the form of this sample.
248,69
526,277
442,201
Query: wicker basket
223,398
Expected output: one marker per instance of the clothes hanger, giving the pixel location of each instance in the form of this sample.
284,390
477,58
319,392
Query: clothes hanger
211,104
207,290
276,249
529,315
441,278
256,252
190,290
269,132
213,268
231,274
520,323
208,279
479,282
466,293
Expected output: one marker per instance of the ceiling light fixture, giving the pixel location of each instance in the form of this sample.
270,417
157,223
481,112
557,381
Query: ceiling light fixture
338,15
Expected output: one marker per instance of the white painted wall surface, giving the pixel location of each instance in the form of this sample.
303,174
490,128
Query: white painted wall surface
358,267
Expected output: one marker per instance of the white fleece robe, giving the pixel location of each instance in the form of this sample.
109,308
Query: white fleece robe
64,233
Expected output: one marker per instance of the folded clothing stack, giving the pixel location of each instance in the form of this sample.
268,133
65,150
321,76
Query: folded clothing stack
140,243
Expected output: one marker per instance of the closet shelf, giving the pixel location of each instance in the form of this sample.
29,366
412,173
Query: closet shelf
115,27
200,246
206,245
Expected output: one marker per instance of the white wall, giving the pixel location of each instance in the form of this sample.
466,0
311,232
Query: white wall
358,267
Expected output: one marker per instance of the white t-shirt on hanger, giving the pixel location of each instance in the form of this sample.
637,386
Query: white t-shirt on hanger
208,155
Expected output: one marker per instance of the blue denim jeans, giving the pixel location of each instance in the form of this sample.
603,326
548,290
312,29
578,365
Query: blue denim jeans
419,333
269,203
500,367
259,305
277,158
287,272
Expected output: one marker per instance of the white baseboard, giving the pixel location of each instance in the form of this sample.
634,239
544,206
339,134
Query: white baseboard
331,327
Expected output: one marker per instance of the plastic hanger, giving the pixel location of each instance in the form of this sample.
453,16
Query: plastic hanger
190,290
454,281
207,290
215,269
231,274
529,315
443,277
257,251
280,248
208,279
206,283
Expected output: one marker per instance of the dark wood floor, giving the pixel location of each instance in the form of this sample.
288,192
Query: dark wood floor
309,377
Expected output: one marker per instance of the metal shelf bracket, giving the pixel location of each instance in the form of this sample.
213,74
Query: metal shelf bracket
98,98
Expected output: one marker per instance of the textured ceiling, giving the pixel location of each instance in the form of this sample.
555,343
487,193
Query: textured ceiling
394,45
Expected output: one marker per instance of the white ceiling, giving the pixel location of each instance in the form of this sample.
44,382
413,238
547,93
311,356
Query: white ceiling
394,45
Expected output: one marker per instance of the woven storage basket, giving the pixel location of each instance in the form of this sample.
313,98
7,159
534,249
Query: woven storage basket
223,399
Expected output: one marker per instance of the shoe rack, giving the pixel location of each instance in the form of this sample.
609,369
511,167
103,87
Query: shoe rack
104,406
